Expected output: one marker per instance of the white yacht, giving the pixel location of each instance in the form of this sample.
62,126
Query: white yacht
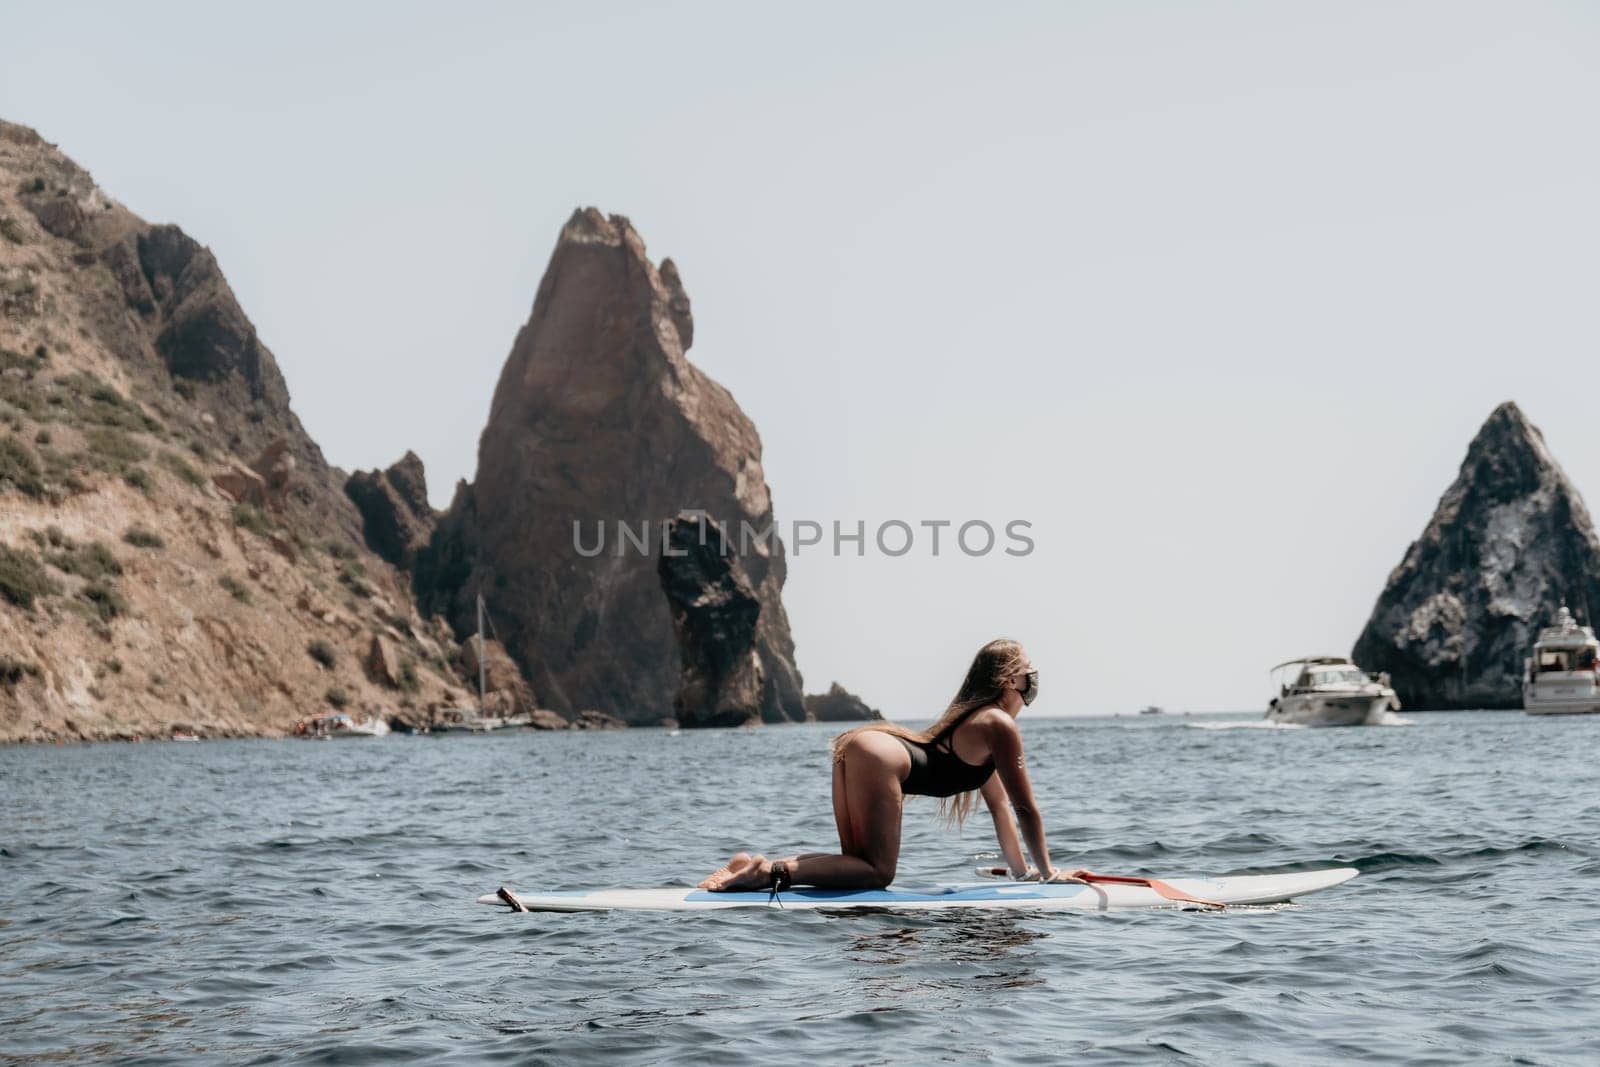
1330,691
1560,677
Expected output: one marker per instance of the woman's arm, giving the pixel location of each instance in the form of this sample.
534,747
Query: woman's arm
1005,746
1005,827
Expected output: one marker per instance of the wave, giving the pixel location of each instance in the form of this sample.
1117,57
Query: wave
1396,860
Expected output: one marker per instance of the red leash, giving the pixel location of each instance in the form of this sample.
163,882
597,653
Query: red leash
1168,891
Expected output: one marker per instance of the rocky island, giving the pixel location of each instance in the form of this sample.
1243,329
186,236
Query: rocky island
1509,543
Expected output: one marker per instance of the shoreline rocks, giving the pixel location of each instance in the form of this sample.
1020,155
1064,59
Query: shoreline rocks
590,719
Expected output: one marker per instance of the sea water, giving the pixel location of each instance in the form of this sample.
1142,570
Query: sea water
256,901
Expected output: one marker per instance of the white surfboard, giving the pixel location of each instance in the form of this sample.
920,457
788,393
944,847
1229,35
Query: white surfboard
1032,896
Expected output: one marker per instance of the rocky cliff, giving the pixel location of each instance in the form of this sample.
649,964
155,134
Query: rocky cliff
1509,542
715,612
175,551
600,419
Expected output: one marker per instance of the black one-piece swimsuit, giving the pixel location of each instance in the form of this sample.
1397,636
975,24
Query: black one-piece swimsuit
936,770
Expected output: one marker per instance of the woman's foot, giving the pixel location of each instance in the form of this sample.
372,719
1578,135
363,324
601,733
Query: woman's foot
744,871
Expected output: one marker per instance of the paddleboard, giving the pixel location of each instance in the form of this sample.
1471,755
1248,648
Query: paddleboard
1030,896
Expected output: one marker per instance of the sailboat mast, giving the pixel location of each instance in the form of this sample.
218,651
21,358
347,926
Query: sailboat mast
482,685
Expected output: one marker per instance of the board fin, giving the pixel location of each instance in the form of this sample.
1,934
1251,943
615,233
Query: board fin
511,899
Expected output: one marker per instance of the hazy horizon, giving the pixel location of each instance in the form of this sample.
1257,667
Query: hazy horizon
1214,297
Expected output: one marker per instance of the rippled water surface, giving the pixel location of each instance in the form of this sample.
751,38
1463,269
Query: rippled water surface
261,901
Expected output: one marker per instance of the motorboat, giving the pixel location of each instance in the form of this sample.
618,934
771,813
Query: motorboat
1330,691
1151,709
342,725
1562,677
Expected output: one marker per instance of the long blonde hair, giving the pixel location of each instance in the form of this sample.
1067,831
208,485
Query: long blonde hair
985,682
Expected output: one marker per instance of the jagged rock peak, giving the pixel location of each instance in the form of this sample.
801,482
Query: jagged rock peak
657,292
589,225
1512,455
410,480
678,303
397,521
1509,542
598,419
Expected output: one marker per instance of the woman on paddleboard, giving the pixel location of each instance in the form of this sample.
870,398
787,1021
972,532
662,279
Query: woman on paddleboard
974,748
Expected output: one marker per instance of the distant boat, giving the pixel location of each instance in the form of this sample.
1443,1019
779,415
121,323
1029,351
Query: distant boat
471,721
1330,691
477,720
1562,677
342,725
1151,709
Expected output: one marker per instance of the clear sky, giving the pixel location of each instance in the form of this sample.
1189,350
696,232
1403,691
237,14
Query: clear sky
1213,295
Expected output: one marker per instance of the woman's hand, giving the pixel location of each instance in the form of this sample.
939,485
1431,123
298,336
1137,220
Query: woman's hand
1005,828
1056,874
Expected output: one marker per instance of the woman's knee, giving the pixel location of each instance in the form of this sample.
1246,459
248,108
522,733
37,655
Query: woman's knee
883,873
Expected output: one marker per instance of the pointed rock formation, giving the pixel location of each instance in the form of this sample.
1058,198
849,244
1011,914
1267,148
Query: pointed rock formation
599,418
1510,542
396,518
